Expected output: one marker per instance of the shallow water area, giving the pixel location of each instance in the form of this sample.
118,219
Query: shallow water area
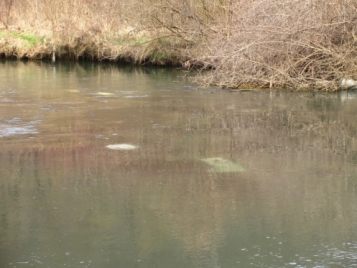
115,166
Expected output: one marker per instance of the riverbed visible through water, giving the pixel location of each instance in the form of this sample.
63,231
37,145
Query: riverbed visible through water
114,166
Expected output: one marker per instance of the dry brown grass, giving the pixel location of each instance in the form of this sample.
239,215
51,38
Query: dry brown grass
246,43
293,44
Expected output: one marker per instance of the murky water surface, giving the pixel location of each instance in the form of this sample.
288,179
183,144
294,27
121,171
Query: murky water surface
106,166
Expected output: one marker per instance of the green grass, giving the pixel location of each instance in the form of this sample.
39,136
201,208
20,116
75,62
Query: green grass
132,42
162,55
32,40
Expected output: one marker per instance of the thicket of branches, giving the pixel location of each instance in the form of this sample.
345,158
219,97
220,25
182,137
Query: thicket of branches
296,44
244,43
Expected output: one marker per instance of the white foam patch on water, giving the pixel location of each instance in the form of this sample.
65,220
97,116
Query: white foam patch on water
122,146
101,137
15,126
105,94
9,131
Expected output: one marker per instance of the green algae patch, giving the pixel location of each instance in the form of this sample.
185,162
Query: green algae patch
221,165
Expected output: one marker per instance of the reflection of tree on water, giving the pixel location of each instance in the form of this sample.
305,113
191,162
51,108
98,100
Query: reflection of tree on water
292,148
191,208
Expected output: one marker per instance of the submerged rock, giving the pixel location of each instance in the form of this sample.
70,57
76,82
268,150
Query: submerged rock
221,165
121,146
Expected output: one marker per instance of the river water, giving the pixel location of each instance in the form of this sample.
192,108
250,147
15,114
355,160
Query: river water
212,178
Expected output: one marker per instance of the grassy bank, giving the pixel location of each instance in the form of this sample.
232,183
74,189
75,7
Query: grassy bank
19,44
235,44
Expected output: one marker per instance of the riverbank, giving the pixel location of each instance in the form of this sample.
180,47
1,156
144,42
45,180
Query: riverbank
250,44
27,45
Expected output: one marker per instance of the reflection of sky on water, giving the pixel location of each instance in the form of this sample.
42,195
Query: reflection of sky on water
347,95
67,199
276,254
15,126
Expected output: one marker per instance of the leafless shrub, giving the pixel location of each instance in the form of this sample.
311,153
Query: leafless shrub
299,44
250,43
5,12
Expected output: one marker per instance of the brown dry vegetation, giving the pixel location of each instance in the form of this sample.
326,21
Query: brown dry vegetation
297,44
